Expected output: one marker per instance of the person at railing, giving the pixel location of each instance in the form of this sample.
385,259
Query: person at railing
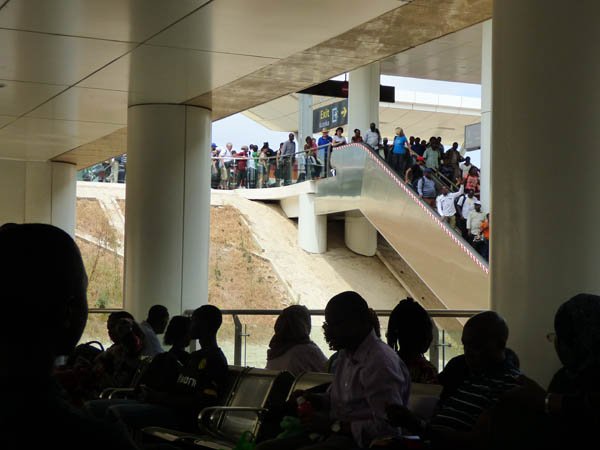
415,173
241,165
198,385
227,160
215,175
568,413
461,418
369,375
400,152
386,151
357,137
224,169
286,159
263,167
155,323
373,139
251,166
432,155
324,145
301,162
447,171
410,332
44,286
291,348
446,207
426,188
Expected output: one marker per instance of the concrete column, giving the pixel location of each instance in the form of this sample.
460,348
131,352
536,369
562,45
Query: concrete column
168,208
360,236
486,115
42,192
544,227
305,118
64,196
363,98
312,229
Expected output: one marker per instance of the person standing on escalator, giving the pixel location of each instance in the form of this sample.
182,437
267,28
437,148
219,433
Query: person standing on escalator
400,152
446,207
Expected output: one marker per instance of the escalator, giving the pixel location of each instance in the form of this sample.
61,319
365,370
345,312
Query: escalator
446,263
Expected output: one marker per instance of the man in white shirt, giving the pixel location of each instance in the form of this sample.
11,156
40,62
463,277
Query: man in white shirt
445,205
465,205
372,138
465,167
156,323
474,221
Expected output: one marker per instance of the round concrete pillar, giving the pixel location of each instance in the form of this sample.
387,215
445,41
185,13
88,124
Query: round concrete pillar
312,229
360,236
544,226
363,98
168,208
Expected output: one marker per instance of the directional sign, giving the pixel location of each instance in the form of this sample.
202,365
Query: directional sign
333,88
330,116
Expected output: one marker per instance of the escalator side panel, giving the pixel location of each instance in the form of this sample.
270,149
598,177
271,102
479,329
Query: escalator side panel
444,262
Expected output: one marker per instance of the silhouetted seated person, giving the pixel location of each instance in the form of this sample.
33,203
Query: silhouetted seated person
156,323
457,371
291,348
455,423
117,366
410,332
332,361
45,305
369,375
198,385
568,414
165,367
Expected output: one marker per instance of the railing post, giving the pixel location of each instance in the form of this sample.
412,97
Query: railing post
237,343
434,348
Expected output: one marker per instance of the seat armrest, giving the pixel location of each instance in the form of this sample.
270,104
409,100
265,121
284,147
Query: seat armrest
106,392
213,409
120,393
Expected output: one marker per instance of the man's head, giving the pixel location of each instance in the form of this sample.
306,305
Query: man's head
244,148
477,206
229,146
213,146
420,160
385,140
206,321
43,281
325,132
372,126
112,321
470,193
158,318
484,338
455,146
468,160
411,140
339,131
444,190
356,132
291,136
417,140
429,173
347,321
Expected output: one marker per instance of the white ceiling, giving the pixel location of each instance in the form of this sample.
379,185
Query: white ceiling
454,57
71,67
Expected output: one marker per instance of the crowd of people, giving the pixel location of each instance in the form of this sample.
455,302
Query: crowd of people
425,166
486,401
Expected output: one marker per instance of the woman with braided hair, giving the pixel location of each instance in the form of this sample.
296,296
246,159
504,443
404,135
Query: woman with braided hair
410,332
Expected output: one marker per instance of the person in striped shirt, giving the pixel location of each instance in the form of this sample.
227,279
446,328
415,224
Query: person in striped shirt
490,373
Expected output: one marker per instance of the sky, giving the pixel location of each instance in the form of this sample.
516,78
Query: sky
240,130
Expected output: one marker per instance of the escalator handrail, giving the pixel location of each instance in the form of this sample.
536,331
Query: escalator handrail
470,251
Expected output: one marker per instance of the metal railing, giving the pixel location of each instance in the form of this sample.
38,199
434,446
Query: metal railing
271,171
437,350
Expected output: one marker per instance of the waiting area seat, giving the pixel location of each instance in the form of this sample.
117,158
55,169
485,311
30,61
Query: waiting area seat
256,401
114,392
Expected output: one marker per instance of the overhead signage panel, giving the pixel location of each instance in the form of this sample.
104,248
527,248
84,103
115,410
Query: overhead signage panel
330,116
